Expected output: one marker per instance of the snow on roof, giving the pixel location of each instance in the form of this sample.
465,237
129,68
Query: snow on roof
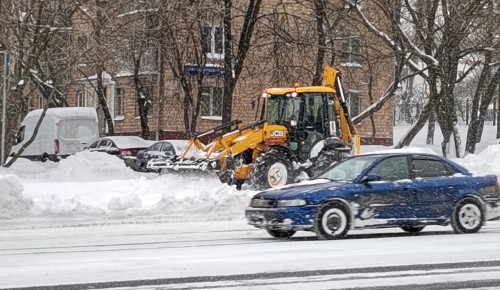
414,150
105,77
129,141
65,112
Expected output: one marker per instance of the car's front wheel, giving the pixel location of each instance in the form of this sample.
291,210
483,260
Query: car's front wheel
281,234
332,221
468,217
412,229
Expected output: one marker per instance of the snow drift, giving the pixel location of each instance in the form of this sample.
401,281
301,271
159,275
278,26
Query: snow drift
94,184
12,202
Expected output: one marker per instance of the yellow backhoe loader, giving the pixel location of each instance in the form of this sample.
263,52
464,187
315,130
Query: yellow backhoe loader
302,130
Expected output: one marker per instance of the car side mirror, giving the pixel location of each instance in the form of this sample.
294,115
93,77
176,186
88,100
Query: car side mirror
371,177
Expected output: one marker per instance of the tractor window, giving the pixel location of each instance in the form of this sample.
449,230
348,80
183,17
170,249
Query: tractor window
281,110
313,112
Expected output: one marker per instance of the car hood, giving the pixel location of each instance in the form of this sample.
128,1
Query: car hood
303,190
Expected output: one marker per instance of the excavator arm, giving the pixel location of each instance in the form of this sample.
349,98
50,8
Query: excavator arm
332,78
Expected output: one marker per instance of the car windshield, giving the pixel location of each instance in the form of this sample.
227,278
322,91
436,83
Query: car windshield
349,169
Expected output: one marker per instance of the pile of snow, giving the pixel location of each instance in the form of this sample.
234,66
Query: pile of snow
488,161
12,202
91,166
94,184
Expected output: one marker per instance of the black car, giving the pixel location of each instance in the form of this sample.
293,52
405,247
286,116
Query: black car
125,147
163,148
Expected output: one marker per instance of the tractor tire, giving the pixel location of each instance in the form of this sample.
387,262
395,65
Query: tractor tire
271,170
324,160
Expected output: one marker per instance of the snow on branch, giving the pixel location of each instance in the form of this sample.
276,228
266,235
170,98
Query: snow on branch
389,40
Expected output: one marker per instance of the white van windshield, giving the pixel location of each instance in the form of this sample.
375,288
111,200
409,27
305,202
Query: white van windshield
73,129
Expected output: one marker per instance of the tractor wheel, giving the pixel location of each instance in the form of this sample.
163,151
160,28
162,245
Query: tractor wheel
271,170
324,160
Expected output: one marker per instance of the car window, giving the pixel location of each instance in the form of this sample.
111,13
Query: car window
168,149
94,145
349,169
393,168
155,147
104,143
19,136
425,168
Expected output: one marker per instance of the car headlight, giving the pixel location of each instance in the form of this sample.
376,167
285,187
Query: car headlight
291,202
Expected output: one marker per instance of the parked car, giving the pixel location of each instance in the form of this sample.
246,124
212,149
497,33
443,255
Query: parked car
406,190
125,147
164,149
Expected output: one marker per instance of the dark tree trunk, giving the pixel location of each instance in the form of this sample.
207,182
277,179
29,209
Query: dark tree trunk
320,30
142,99
417,126
231,74
103,103
431,127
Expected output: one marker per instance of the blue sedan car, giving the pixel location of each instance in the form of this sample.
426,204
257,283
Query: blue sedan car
406,190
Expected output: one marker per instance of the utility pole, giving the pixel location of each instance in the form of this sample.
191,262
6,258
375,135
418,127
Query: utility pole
498,113
4,103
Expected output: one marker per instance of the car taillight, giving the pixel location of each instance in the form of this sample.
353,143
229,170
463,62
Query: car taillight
125,153
56,146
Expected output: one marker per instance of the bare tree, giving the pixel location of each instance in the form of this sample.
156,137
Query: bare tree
441,31
37,35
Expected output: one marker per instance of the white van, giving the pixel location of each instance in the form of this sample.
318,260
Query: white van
64,131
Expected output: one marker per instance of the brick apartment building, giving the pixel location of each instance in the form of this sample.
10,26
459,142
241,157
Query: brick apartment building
365,77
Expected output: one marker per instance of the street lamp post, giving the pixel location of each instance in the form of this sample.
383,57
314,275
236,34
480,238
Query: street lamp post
4,103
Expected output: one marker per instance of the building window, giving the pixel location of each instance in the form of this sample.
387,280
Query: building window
87,99
353,103
118,102
211,101
213,41
350,49
147,97
82,99
40,102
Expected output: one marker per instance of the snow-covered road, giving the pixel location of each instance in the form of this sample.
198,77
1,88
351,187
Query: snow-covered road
191,255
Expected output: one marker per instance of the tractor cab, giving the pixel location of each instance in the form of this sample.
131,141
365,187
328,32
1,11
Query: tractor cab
307,113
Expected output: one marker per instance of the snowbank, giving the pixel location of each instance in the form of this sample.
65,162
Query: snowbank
91,166
488,161
12,202
94,184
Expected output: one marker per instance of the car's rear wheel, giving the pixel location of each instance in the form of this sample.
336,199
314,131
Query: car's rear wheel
412,229
332,221
281,234
468,216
